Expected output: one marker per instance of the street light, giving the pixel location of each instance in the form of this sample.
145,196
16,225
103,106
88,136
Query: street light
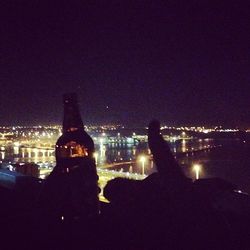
197,169
143,160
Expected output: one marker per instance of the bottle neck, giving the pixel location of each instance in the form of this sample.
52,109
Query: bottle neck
72,119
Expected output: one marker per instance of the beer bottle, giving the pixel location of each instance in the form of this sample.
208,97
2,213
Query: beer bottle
75,171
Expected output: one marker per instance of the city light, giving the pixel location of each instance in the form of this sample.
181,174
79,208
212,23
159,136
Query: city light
16,144
143,160
96,157
197,169
37,144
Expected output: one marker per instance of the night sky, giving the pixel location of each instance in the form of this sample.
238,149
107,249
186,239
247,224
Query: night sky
183,62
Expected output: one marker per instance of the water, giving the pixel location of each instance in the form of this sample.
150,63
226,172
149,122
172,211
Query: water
228,159
230,162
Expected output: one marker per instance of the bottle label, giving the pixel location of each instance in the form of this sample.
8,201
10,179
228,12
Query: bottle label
71,149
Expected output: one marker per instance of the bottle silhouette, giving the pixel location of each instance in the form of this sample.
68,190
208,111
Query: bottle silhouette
74,145
74,177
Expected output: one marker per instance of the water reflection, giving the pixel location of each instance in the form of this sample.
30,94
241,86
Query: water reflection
230,162
121,158
183,146
16,150
2,155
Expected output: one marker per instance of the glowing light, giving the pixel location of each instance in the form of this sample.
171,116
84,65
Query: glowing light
29,152
2,155
197,169
96,157
16,144
143,160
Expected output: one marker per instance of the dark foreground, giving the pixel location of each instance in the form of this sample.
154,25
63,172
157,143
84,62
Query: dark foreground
164,211
207,214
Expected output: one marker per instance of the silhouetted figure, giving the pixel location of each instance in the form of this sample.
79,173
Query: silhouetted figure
165,162
148,212
163,211
169,171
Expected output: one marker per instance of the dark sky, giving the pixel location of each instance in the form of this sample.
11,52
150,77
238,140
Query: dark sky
183,62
